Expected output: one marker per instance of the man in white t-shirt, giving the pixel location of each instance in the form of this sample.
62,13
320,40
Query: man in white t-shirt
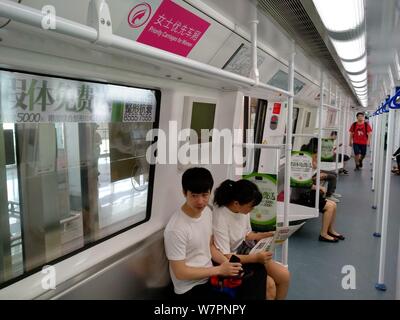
188,241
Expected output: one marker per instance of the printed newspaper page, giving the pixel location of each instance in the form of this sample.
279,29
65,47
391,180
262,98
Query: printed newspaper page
280,235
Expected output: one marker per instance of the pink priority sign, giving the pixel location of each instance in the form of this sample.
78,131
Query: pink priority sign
173,29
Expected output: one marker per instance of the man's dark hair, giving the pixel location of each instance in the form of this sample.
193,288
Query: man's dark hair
197,180
334,133
359,113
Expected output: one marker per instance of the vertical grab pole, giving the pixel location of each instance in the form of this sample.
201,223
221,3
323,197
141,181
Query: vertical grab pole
386,190
339,120
378,155
318,182
374,151
344,117
381,178
374,146
289,129
254,73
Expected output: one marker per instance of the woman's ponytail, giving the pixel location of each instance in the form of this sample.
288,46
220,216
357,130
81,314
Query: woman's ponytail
224,194
243,191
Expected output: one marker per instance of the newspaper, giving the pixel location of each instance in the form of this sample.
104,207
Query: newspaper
280,235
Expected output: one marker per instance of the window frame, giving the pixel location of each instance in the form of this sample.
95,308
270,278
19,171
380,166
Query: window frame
156,125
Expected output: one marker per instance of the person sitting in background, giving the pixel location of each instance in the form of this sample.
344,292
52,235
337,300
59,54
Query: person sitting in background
328,176
345,157
396,156
327,207
232,229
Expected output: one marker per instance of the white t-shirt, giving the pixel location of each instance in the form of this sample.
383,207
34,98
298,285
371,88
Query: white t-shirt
229,229
188,239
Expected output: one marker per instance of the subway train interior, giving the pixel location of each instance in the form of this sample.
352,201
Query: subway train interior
104,104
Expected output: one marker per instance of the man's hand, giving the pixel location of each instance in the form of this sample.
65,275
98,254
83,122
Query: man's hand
230,269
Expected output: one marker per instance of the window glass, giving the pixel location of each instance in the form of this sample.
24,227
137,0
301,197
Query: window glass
73,166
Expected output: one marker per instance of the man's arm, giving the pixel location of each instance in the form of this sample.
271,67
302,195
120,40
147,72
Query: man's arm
369,138
184,272
217,255
351,139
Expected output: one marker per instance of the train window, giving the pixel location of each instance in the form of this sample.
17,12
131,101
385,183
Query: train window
73,167
280,80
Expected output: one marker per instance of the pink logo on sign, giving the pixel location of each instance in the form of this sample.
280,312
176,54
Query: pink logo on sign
139,15
173,29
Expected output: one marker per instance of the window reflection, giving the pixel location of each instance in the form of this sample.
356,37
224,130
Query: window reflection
70,184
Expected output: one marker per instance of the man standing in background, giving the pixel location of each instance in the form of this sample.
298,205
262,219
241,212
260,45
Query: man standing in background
360,137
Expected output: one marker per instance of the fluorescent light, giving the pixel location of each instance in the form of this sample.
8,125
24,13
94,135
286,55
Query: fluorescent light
345,20
351,49
340,15
361,84
355,66
358,77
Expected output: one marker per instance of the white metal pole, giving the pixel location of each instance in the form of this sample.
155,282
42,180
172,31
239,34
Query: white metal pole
378,155
344,141
318,182
385,210
254,73
381,178
386,189
375,151
339,120
289,129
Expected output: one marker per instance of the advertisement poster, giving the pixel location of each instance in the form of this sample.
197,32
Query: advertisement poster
327,150
28,98
301,169
263,217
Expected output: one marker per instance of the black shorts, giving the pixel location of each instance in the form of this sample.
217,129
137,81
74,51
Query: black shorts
346,158
307,199
253,287
360,149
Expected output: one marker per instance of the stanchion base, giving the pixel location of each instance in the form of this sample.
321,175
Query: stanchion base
377,235
374,207
380,287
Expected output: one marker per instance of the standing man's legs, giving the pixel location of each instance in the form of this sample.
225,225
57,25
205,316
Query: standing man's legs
363,151
357,155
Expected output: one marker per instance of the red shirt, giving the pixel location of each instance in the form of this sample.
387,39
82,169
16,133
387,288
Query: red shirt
359,134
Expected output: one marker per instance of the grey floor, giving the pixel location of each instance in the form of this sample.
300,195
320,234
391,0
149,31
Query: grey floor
316,267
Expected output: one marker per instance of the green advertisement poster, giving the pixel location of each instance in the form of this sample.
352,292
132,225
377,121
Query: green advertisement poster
263,217
327,152
301,169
